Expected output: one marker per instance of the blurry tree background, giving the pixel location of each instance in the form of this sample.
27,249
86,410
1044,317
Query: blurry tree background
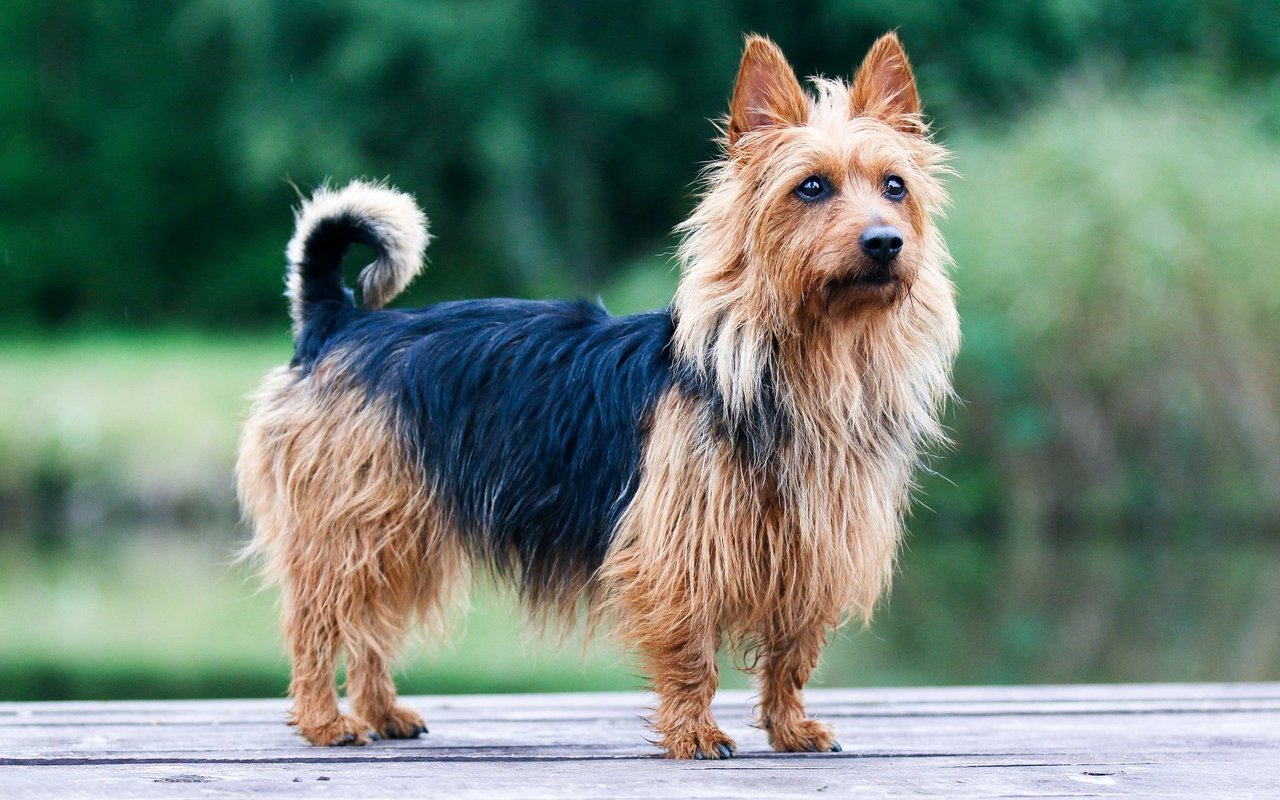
1111,509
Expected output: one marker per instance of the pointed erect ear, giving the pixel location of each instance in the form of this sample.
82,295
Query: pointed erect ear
767,92
885,87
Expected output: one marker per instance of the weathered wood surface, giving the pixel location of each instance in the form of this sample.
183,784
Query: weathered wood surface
1190,740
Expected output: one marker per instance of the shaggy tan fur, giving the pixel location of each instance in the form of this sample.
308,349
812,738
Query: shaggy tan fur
775,549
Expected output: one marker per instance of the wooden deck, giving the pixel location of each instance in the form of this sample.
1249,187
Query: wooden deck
1202,741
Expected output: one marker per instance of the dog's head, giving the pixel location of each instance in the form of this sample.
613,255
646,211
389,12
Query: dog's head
822,206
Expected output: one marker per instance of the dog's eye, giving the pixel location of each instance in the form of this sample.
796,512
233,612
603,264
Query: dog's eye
814,187
894,188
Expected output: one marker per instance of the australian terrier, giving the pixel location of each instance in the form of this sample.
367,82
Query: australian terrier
732,469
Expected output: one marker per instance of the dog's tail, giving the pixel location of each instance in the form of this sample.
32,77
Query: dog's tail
383,218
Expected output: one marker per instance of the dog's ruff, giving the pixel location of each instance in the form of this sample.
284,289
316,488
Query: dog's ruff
733,468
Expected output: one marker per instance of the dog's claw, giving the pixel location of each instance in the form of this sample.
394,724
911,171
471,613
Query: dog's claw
348,738
721,751
374,736
811,747
836,748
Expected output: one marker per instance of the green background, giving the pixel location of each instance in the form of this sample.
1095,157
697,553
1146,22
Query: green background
1110,509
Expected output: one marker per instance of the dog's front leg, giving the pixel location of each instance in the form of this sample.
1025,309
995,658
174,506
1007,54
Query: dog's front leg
683,665
790,658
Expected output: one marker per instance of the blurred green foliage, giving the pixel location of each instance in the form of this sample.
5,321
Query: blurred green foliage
552,142
1119,293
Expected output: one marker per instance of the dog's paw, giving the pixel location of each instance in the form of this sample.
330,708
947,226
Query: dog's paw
401,723
707,742
804,736
341,731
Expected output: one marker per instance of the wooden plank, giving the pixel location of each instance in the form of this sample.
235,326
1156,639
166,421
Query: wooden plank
1192,740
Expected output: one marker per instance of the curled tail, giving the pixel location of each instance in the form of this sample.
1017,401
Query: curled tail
383,218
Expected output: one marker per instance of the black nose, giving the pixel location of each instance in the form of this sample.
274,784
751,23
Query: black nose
881,242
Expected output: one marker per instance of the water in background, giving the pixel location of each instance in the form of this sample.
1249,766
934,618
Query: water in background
168,613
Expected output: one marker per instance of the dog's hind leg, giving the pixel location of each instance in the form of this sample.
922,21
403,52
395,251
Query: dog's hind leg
373,695
313,632
346,525
371,643
360,599
416,571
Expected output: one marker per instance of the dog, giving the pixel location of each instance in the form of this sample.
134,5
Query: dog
731,470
